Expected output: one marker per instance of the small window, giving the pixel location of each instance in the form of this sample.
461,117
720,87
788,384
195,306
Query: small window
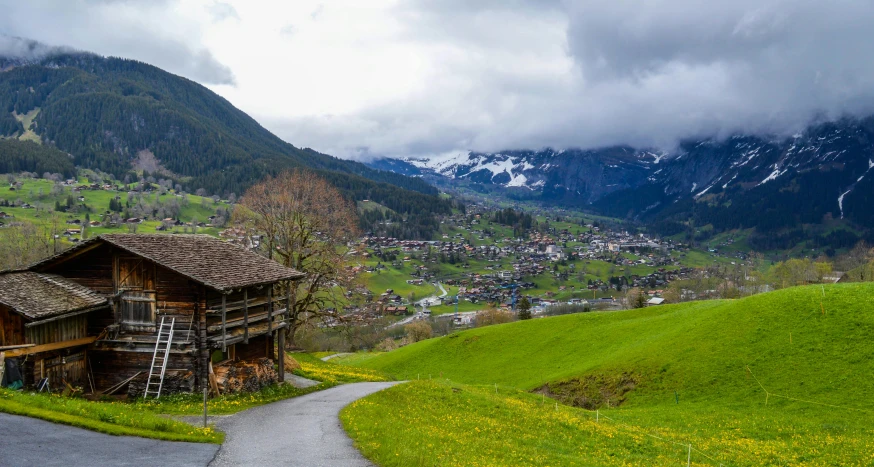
138,308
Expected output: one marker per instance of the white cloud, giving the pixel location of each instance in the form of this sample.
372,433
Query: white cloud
164,33
386,77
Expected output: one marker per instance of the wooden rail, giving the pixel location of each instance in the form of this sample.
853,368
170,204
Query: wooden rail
50,347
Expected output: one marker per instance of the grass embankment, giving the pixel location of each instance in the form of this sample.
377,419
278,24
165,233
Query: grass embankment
192,404
113,418
774,379
314,368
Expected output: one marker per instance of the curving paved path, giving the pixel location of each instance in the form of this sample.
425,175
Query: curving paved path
304,431
31,442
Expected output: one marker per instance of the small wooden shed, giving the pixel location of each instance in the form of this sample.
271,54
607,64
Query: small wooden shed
227,302
44,322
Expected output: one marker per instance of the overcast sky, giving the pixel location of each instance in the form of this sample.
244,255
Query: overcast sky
366,78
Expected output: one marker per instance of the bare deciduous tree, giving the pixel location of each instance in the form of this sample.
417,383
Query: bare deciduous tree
307,225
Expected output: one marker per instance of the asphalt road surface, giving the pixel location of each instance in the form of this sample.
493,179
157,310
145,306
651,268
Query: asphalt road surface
30,442
304,431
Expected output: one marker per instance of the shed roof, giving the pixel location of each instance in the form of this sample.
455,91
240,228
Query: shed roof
212,262
39,296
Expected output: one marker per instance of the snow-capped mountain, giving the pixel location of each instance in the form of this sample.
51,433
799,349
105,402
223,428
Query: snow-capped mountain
586,174
821,173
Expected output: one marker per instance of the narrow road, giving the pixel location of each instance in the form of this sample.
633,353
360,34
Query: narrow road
304,431
442,290
325,359
29,441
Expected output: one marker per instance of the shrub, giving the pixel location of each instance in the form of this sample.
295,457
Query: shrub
419,331
492,315
388,344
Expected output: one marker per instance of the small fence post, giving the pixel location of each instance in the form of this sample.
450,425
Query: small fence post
689,459
204,407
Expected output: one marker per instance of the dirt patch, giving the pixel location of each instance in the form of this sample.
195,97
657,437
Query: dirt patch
592,391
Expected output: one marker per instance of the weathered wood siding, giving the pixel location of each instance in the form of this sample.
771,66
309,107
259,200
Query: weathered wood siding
111,367
11,327
257,348
74,327
92,269
66,365
58,367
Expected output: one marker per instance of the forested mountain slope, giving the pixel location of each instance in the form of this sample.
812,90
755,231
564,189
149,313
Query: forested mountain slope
109,113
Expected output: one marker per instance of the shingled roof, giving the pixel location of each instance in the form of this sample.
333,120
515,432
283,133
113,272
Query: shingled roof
39,296
202,258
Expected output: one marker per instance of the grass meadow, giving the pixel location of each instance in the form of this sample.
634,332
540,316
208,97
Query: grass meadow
782,378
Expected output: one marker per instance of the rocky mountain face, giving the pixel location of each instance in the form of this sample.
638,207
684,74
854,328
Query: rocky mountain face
574,176
813,177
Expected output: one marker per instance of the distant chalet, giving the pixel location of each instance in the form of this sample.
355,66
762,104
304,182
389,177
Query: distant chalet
92,310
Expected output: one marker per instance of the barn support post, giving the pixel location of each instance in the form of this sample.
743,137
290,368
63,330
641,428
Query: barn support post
271,339
203,344
270,310
245,316
224,322
281,354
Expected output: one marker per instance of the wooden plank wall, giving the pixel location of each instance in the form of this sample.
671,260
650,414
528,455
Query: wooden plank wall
92,269
60,366
74,327
257,348
114,366
11,327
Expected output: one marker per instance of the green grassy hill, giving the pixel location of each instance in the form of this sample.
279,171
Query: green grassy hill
693,347
782,378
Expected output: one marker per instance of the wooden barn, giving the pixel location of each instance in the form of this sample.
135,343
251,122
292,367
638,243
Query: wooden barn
44,323
224,302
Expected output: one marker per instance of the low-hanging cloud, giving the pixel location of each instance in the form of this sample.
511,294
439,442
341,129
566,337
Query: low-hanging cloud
528,74
142,30
419,78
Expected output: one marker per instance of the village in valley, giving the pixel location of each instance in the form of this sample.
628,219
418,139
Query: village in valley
475,261
557,258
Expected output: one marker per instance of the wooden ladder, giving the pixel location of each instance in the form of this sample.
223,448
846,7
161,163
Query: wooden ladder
159,362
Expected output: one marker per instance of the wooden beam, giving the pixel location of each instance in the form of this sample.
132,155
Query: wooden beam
60,317
224,323
50,347
237,322
246,315
19,346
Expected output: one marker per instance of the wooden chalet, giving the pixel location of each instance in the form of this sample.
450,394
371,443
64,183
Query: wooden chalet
223,299
44,318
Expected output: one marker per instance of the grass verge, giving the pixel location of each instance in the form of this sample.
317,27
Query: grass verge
112,418
192,404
